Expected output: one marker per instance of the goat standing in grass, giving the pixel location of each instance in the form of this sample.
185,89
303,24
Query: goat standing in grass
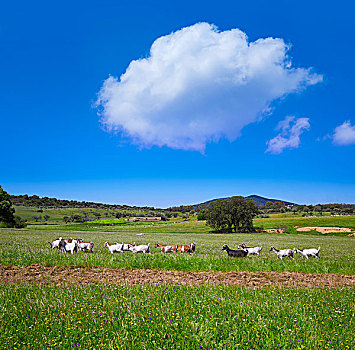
186,248
251,250
114,248
166,248
143,248
126,247
71,247
56,243
284,252
85,246
235,253
308,252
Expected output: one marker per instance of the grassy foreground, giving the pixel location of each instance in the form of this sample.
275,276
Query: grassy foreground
166,317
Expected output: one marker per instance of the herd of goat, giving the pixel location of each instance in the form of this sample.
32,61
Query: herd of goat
70,245
244,251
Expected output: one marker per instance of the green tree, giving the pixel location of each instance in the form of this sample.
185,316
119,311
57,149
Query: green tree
215,215
201,215
6,210
234,214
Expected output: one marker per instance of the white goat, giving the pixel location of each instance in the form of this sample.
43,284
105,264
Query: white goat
55,244
250,250
284,252
126,247
308,252
70,247
114,248
85,246
143,248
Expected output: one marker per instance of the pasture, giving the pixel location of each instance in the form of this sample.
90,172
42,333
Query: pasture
26,247
107,314
191,225
175,317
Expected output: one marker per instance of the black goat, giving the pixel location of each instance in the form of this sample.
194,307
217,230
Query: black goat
235,253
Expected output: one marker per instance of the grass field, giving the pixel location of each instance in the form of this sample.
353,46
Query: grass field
56,214
55,222
193,226
159,316
25,247
175,317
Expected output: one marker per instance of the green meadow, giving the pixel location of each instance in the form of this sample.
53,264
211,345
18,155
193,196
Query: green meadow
114,316
108,222
175,317
29,246
190,225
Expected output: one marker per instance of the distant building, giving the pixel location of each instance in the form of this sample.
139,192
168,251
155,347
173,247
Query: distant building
144,218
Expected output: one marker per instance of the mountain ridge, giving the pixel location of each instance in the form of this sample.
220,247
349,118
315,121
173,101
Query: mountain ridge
259,200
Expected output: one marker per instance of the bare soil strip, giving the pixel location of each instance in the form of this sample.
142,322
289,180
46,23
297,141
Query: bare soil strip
324,229
71,275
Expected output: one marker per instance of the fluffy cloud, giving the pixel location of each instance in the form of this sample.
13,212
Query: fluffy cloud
344,134
198,85
289,137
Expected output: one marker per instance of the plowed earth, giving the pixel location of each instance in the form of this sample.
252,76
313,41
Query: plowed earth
64,275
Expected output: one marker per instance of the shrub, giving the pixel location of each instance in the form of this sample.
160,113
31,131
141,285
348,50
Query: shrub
201,216
16,223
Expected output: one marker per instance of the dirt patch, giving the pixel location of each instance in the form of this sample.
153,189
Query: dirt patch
275,230
324,229
71,275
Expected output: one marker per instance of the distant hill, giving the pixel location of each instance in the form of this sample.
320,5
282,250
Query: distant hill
262,200
257,199
46,202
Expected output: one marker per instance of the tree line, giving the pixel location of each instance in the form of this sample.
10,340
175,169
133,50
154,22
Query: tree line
308,210
112,210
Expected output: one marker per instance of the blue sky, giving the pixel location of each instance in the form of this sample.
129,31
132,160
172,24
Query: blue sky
56,57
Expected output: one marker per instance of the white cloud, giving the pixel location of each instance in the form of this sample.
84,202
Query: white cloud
284,125
198,85
344,134
289,136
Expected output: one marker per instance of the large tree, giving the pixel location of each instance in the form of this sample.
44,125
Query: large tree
6,210
232,214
